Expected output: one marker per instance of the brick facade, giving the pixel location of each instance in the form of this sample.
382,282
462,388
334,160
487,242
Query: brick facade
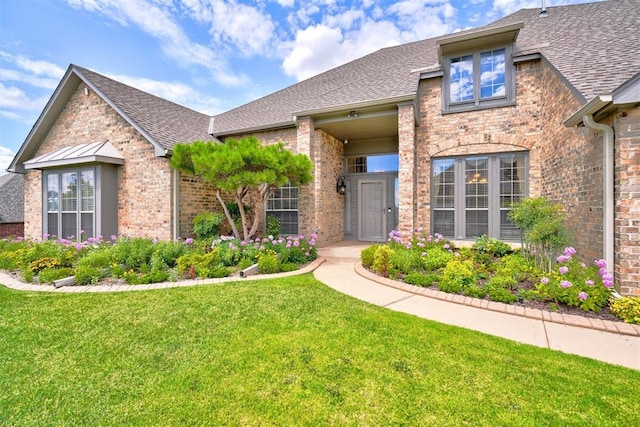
144,181
13,229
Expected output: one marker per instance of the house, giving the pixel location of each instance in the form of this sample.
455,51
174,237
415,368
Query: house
440,134
11,205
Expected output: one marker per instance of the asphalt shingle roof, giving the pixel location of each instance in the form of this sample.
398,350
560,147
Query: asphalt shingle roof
595,46
11,198
166,122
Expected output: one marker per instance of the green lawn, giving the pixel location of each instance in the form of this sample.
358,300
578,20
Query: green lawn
281,352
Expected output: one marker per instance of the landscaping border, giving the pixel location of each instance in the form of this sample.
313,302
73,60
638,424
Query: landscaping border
516,310
11,283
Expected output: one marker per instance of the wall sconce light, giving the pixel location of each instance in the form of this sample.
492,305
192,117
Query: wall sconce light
341,187
352,114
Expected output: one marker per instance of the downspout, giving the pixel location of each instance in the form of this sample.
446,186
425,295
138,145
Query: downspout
608,212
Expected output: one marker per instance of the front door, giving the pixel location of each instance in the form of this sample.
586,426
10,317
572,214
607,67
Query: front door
372,196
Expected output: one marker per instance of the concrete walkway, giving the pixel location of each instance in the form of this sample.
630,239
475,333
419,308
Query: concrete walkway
612,342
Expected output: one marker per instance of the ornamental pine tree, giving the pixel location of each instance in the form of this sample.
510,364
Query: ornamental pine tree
244,168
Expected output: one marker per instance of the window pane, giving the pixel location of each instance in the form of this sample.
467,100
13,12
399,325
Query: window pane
477,223
52,193
69,192
86,224
443,172
508,230
283,204
374,163
461,79
52,224
492,73
69,226
443,223
477,183
87,190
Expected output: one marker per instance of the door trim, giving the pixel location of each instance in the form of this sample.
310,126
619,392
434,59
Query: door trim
383,222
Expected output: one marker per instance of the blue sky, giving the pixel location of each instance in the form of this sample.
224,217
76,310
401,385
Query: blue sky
210,55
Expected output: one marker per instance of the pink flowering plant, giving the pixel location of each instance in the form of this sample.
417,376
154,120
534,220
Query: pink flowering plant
289,249
574,283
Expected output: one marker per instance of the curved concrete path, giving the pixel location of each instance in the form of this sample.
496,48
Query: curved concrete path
615,342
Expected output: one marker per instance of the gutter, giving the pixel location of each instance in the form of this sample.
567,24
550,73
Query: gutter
176,209
608,211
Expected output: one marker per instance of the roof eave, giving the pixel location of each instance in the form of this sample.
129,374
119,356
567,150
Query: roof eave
227,132
590,108
356,105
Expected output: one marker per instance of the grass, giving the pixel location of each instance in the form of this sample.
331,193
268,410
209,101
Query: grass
281,352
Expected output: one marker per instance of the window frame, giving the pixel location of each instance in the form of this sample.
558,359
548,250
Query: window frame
276,197
478,103
78,202
494,194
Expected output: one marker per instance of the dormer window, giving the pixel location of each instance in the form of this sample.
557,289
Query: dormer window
478,69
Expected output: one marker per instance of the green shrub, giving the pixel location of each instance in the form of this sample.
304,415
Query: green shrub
382,261
51,274
206,225
218,272
475,291
367,255
192,262
503,281
491,246
43,263
134,253
419,279
456,275
517,266
87,275
27,275
246,263
99,258
406,261
500,294
273,226
289,266
626,309
437,258
268,262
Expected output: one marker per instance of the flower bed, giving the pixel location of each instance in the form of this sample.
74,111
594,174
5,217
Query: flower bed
491,269
142,260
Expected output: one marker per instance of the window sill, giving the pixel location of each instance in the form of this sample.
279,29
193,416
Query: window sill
469,108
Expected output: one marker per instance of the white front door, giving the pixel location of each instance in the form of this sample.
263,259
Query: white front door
372,196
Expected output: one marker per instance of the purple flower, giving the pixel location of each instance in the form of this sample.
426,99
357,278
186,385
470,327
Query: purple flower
113,237
243,243
569,251
563,270
607,280
602,271
188,241
600,263
565,284
423,254
589,282
544,280
563,258
408,245
78,246
46,235
306,254
583,296
446,246
296,243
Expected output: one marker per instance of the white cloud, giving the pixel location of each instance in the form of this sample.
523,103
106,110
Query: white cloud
177,92
13,98
6,155
157,20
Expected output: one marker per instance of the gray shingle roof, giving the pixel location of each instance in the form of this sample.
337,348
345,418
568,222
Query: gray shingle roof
596,46
166,122
11,198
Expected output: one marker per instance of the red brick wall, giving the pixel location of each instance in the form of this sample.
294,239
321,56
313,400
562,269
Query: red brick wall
11,230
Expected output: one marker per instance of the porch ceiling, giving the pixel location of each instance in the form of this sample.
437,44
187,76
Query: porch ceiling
358,125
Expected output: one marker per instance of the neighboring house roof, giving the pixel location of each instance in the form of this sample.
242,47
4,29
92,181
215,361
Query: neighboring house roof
11,198
595,46
163,123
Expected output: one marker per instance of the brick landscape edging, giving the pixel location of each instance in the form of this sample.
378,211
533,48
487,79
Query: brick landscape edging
516,310
11,283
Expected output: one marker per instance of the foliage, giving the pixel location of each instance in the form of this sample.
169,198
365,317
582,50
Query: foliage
437,258
244,169
133,252
626,308
206,225
51,274
576,284
288,266
268,262
382,261
42,263
85,275
491,246
456,276
541,225
273,226
367,255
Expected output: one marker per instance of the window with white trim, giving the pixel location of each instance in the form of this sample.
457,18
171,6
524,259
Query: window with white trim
478,79
471,196
70,204
283,204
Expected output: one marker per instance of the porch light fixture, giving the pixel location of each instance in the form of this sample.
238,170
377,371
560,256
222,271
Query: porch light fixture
352,114
341,187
